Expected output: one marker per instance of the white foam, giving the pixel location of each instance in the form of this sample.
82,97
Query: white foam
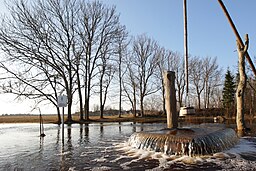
221,155
125,165
102,168
119,158
64,153
232,157
162,158
228,160
102,159
72,169
242,147
236,164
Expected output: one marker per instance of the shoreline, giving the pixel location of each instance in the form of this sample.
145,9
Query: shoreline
51,119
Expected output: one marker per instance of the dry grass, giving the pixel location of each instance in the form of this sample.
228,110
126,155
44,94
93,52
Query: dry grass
124,118
27,119
53,119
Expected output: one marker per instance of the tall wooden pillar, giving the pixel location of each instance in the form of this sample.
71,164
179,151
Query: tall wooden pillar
170,99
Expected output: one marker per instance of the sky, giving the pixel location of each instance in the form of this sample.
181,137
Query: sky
209,33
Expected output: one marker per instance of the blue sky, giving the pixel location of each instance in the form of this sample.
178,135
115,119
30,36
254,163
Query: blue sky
209,33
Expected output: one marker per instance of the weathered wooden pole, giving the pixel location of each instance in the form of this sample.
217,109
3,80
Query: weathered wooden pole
241,84
237,35
186,48
41,124
170,99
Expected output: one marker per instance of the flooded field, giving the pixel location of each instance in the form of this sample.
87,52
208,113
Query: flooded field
103,146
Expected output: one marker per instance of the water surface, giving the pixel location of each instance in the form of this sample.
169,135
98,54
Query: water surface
103,146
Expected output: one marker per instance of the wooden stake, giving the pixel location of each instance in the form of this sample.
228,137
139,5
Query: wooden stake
170,99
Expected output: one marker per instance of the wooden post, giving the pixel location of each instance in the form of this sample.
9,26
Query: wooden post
62,126
186,49
241,84
170,99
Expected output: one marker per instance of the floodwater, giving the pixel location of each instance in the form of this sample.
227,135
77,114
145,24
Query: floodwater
103,146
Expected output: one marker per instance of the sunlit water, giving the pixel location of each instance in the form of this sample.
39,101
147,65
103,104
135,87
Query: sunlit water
104,147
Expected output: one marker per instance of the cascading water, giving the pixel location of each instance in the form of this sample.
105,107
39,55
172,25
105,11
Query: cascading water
185,141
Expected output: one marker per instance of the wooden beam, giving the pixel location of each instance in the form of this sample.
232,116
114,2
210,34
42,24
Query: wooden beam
237,35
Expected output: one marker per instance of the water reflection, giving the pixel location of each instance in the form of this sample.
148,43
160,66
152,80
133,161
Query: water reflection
120,127
134,127
69,140
83,133
101,130
41,143
240,133
58,134
86,133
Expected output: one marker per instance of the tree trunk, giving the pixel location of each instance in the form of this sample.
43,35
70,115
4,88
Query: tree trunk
142,95
120,99
101,95
199,100
69,118
86,95
134,101
120,83
120,92
80,97
59,117
86,108
141,107
241,84
70,95
180,97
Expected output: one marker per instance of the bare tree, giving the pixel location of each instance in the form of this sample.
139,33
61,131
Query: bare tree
39,35
171,61
197,77
99,26
163,59
63,40
214,93
212,77
106,73
145,61
179,76
153,103
31,83
216,97
121,51
130,85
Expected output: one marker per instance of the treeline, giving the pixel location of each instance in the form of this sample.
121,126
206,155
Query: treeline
229,91
81,48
